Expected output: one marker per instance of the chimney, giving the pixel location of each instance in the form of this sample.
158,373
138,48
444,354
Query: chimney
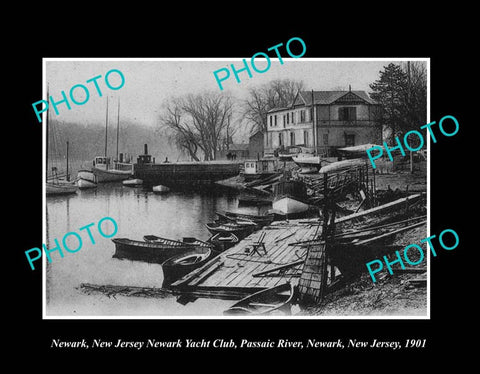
146,149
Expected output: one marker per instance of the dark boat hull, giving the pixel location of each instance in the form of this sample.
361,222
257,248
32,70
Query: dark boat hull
180,265
148,252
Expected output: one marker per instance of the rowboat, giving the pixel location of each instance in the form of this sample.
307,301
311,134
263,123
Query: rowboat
185,241
177,266
224,240
274,299
240,230
260,220
157,252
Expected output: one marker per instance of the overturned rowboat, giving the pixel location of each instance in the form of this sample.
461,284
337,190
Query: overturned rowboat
275,299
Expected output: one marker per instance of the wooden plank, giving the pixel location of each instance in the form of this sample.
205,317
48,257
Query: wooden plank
379,209
366,241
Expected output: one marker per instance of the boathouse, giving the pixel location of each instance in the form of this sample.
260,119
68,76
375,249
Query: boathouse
324,121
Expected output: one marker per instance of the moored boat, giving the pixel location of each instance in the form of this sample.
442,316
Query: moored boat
134,182
177,266
60,188
157,252
224,240
274,299
160,189
240,230
308,162
84,184
290,197
86,179
185,241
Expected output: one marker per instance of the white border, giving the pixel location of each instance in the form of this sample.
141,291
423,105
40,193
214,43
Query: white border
289,318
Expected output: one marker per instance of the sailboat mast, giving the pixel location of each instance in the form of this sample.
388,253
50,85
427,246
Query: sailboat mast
106,130
68,175
118,123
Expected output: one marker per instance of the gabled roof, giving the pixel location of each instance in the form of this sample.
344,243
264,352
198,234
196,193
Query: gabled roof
327,97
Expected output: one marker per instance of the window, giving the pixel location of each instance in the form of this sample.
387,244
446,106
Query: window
302,116
325,139
284,120
271,121
293,117
347,113
292,138
305,138
349,140
280,139
275,120
288,118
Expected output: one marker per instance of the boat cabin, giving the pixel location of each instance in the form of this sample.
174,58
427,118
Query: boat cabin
101,162
261,167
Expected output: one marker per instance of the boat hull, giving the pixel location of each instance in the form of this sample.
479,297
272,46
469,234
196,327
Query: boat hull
132,182
87,175
84,184
52,189
289,205
160,189
147,251
180,265
111,175
275,299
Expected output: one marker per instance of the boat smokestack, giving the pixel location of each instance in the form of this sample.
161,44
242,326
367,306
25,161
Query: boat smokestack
146,149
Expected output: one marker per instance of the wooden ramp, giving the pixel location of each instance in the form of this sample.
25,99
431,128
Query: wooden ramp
262,260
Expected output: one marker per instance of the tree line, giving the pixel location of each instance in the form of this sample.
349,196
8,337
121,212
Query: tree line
201,125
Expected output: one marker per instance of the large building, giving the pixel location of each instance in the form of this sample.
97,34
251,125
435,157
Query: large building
339,119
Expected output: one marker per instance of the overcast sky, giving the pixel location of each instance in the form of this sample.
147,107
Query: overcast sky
149,83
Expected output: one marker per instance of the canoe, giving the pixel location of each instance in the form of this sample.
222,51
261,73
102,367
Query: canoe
275,299
157,252
132,182
160,189
180,265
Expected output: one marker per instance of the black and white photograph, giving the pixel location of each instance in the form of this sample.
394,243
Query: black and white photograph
266,188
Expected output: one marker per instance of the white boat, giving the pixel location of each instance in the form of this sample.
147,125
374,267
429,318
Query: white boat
288,205
104,169
308,162
84,184
86,179
160,189
290,197
132,182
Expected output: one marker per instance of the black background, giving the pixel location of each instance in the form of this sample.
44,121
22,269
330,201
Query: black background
450,329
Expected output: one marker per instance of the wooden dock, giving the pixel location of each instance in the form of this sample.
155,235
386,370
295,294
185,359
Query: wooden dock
247,267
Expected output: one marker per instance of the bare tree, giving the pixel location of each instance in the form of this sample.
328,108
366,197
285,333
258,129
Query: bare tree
275,94
199,122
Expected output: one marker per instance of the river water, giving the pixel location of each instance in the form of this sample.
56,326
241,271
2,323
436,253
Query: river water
138,212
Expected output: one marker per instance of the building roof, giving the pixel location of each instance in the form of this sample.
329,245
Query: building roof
328,97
